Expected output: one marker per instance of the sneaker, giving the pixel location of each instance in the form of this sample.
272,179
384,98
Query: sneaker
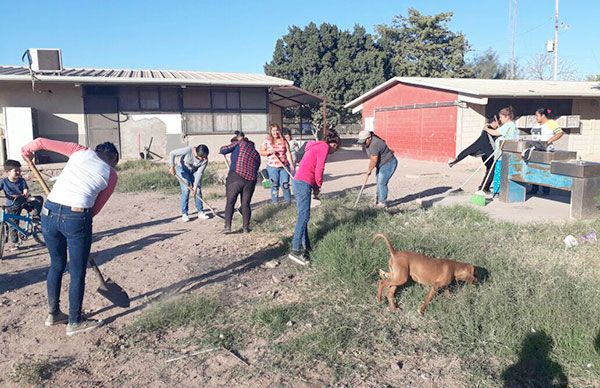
203,216
83,326
185,218
56,319
226,230
298,257
246,230
381,205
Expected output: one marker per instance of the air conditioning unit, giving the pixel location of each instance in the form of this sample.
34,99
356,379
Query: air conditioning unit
45,60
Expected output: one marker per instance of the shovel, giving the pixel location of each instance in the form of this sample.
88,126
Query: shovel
108,289
203,201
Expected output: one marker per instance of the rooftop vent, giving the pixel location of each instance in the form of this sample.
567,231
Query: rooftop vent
45,60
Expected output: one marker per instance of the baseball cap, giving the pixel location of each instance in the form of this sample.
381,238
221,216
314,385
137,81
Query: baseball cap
363,136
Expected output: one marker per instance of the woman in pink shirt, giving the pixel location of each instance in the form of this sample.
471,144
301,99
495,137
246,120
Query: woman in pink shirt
309,178
81,190
279,159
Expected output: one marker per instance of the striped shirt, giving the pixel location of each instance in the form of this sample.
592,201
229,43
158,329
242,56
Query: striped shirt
245,160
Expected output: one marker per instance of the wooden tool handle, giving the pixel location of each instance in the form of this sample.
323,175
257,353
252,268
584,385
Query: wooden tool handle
38,176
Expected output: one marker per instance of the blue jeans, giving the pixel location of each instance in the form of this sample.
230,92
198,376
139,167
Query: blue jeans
188,177
279,178
65,230
302,192
384,174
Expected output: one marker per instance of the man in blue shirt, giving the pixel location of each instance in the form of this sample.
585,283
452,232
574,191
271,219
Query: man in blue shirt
17,195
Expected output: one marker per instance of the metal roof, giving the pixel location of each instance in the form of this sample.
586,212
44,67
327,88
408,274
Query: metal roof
288,96
493,88
162,77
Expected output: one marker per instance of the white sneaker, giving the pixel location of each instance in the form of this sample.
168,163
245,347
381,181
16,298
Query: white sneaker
203,216
185,218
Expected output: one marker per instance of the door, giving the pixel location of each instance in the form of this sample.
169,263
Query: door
102,120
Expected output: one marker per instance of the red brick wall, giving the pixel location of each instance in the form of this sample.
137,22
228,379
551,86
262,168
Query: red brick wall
425,133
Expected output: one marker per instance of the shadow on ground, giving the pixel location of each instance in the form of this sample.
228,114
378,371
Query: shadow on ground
534,367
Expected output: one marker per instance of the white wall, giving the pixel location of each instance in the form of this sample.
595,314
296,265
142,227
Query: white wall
587,143
469,123
59,107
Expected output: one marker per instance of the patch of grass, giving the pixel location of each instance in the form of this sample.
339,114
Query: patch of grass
186,311
532,282
146,175
35,372
275,318
274,218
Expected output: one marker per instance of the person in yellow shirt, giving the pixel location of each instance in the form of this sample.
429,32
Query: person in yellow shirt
549,132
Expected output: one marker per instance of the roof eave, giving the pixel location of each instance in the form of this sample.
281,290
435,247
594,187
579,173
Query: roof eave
153,81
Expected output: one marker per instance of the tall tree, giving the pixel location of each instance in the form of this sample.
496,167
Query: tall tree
337,64
488,66
423,46
541,67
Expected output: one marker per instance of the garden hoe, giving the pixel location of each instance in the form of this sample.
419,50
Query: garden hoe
361,191
108,289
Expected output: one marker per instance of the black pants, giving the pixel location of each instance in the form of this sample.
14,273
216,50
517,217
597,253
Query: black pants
481,146
236,185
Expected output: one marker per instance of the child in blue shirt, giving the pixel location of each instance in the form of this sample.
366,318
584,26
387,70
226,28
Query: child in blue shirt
17,195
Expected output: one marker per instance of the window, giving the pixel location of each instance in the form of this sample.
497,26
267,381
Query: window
254,99
149,99
196,98
129,99
225,100
169,99
197,123
254,122
227,122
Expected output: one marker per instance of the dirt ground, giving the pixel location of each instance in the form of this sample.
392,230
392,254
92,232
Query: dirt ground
140,242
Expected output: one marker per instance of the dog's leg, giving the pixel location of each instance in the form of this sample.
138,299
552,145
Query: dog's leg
428,298
382,284
390,297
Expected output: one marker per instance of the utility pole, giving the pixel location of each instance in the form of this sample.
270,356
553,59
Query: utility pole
512,17
555,48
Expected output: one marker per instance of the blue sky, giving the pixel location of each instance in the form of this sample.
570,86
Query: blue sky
239,36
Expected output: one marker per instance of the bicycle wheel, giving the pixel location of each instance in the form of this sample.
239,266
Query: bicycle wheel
3,238
36,233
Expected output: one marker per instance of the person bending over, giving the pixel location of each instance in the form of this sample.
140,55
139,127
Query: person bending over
189,164
85,184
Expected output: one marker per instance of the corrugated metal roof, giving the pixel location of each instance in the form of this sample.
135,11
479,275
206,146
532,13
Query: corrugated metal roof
493,88
169,77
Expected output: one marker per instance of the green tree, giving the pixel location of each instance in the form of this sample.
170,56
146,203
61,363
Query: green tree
337,64
593,77
422,46
488,66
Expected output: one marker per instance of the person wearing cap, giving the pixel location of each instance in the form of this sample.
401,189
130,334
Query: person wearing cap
382,160
189,164
85,184
241,179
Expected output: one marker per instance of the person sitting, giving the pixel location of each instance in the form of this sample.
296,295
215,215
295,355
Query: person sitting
18,197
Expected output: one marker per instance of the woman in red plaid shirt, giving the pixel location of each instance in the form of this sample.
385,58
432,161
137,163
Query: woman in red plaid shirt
241,179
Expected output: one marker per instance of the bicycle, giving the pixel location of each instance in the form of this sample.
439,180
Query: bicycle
32,228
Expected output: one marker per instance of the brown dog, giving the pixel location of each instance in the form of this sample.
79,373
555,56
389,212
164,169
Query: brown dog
437,273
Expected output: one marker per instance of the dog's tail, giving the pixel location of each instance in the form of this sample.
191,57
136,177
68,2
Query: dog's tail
387,242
